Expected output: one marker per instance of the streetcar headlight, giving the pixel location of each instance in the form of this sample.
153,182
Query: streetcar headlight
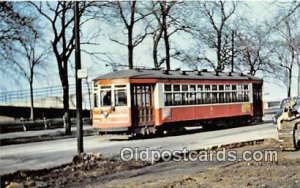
105,114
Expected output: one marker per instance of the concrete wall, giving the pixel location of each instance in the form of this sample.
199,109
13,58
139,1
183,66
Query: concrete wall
51,102
18,112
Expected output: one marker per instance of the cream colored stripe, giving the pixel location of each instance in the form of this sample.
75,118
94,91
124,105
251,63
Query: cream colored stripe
112,122
111,115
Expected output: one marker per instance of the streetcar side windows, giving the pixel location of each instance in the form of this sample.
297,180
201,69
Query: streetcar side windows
186,94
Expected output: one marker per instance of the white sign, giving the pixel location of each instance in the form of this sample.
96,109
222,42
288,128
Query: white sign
82,73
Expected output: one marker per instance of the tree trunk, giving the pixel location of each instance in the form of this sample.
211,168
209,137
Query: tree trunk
166,37
167,44
130,49
65,76
65,85
290,69
252,70
155,46
31,100
219,65
154,54
289,82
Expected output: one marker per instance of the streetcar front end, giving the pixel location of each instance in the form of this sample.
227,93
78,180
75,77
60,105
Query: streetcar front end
111,109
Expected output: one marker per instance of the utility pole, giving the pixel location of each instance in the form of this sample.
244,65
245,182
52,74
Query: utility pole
232,51
78,81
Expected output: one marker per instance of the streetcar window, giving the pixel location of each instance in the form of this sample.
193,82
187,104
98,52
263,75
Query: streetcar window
146,97
192,88
199,98
120,86
246,96
205,94
207,98
120,97
176,87
207,87
95,100
185,88
214,87
245,93
239,96
234,94
227,97
214,97
168,99
200,87
185,99
177,99
234,98
192,97
105,97
221,98
95,86
168,88
240,87
233,87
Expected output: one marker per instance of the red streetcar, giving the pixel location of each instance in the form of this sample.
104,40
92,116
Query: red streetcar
141,101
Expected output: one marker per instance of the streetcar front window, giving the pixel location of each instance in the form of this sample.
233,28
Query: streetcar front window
120,95
105,97
95,100
95,94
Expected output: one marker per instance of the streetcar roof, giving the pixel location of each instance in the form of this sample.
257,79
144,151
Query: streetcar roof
174,74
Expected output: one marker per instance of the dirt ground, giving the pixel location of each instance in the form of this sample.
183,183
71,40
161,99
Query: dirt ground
93,170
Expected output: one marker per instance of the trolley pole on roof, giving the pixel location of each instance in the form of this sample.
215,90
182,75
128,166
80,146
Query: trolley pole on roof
78,81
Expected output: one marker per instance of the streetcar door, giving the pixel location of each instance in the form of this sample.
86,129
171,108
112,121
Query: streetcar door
142,105
257,100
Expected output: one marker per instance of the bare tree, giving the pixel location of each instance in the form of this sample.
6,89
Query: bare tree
127,12
214,31
254,49
26,59
14,27
287,26
167,25
286,50
60,16
287,10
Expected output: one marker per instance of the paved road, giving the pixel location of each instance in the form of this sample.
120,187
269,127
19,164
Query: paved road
40,133
39,155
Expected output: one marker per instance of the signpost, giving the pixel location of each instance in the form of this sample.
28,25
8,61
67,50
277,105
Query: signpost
82,73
